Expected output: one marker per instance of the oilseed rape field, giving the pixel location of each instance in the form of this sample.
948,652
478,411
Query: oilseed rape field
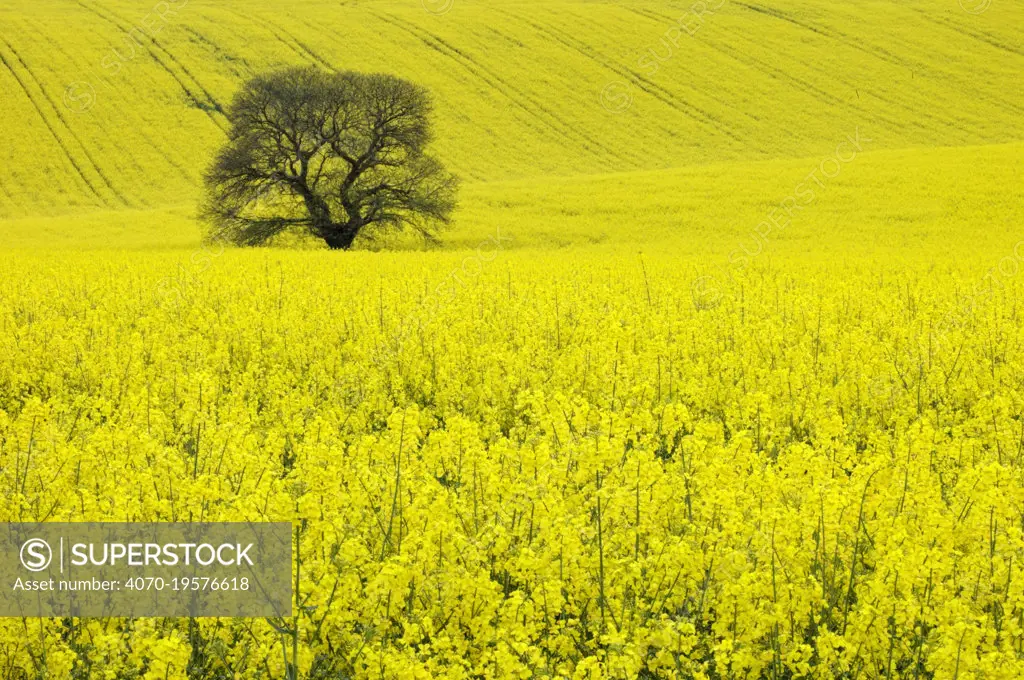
716,373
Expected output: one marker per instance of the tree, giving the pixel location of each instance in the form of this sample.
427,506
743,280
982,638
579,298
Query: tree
328,153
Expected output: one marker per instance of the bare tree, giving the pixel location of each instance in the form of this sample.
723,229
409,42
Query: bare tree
328,153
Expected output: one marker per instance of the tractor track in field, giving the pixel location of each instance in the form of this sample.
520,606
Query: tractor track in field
285,38
714,121
885,55
553,34
555,38
649,86
313,29
832,34
802,85
53,130
532,120
7,193
493,80
154,49
646,84
821,95
56,47
645,13
917,111
984,38
244,72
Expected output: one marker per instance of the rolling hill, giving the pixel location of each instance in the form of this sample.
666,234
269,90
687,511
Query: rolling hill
112,109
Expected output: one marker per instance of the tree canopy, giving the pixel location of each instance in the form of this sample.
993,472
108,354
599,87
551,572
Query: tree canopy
328,153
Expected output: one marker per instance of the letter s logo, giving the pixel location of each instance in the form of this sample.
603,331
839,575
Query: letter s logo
79,96
36,554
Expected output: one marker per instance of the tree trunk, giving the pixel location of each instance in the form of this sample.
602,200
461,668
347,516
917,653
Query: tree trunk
339,239
340,236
